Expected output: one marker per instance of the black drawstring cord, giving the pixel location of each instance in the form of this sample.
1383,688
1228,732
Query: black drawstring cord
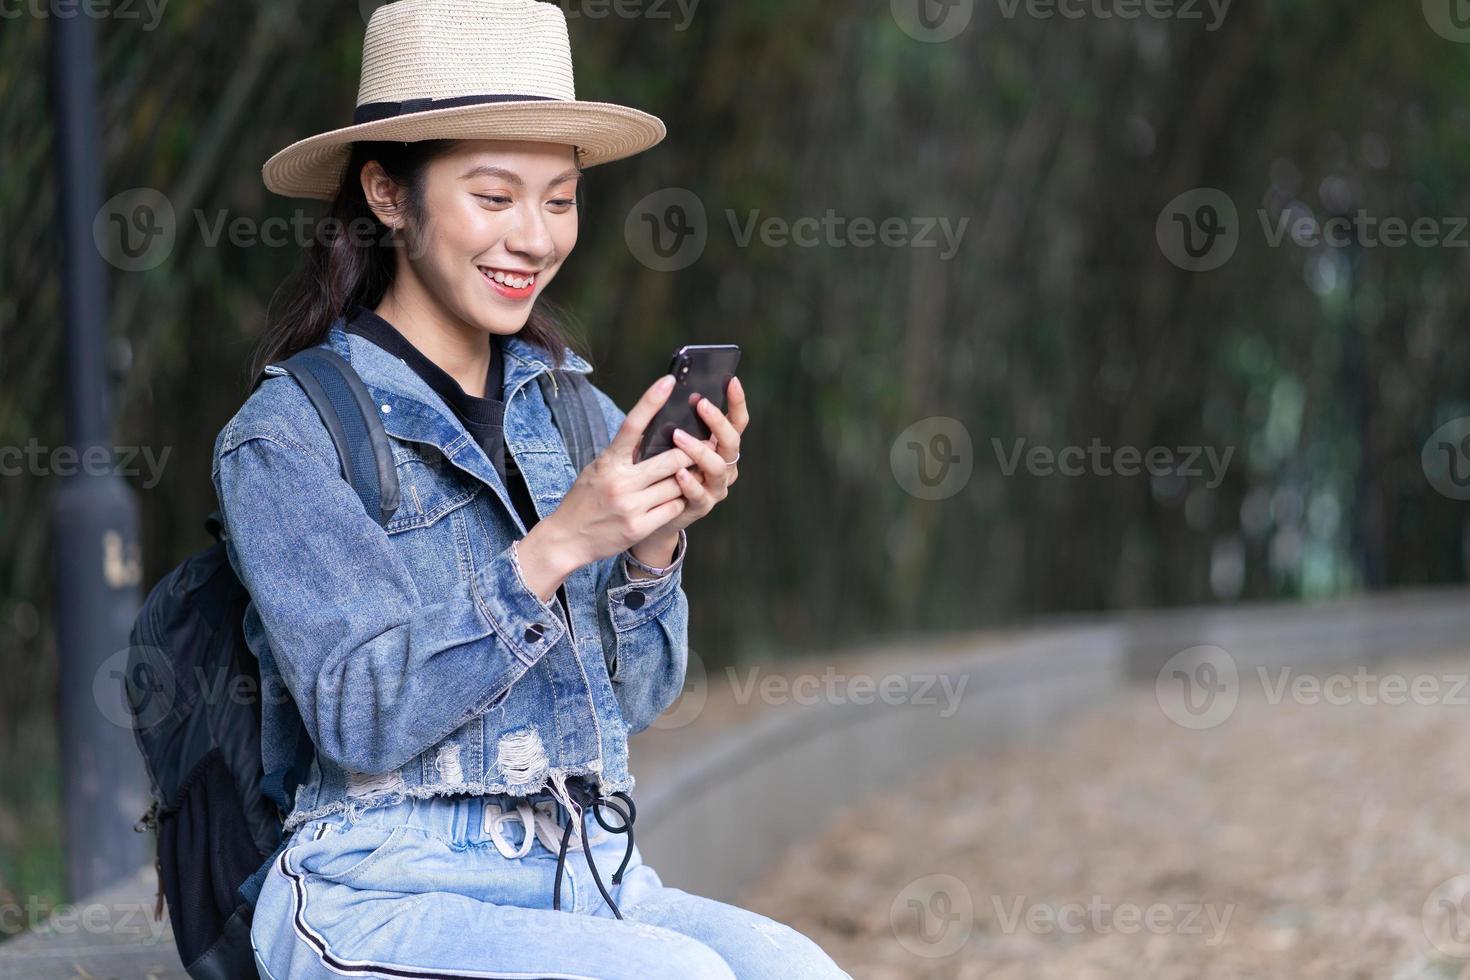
581,794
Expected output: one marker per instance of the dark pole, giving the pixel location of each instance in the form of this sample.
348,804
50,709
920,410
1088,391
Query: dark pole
94,517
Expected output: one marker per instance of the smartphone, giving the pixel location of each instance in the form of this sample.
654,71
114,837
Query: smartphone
699,370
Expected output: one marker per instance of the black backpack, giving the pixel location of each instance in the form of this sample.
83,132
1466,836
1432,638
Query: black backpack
193,687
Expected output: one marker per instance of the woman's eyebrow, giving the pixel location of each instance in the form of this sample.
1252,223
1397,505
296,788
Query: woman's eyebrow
513,178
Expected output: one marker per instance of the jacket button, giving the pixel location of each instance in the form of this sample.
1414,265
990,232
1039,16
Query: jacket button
633,599
534,631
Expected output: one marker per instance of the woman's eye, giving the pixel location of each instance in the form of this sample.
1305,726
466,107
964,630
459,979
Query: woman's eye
494,198
564,202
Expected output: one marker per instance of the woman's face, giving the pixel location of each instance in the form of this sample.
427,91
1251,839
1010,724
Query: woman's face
500,218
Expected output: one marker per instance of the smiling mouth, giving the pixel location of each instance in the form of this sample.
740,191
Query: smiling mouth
512,282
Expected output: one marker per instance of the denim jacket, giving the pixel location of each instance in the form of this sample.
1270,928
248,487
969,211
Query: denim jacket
415,654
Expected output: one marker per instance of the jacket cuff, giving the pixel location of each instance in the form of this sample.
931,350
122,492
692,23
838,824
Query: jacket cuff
519,617
634,601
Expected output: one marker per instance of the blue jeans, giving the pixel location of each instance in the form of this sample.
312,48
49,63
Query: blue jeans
459,884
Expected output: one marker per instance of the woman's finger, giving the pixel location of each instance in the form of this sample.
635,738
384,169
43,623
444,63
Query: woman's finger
703,454
701,501
625,442
721,429
657,493
738,413
661,465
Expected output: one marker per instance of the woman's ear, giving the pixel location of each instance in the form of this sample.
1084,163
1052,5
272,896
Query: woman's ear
382,195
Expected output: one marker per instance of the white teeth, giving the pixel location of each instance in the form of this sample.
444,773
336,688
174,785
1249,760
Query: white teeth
514,282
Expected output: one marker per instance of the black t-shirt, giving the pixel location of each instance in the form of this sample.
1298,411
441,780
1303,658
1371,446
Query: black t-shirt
483,418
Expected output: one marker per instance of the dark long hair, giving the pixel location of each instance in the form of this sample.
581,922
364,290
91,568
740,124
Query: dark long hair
354,256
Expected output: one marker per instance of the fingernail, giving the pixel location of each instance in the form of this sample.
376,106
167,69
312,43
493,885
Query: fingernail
681,436
666,382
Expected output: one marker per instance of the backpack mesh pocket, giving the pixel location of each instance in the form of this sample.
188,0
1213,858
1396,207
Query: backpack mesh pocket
205,851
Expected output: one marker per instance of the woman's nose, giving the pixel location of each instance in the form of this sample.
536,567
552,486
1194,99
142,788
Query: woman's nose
530,236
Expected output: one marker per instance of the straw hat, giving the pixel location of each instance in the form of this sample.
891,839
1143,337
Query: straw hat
465,69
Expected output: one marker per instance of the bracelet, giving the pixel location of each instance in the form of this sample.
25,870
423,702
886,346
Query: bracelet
679,548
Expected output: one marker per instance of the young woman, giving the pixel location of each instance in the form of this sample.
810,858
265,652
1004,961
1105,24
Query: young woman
469,672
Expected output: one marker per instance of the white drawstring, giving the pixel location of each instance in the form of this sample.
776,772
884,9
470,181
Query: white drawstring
536,821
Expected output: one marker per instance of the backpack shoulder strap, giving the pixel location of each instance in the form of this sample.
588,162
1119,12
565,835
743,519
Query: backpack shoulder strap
342,400
577,414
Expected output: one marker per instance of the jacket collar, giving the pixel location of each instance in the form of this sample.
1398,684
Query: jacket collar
412,411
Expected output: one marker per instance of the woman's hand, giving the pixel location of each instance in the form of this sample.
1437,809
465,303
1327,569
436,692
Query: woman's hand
715,458
613,504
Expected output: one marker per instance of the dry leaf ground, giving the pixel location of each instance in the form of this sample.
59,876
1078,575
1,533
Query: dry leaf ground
1295,840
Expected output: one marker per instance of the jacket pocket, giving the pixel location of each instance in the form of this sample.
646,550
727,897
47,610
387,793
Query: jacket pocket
431,487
